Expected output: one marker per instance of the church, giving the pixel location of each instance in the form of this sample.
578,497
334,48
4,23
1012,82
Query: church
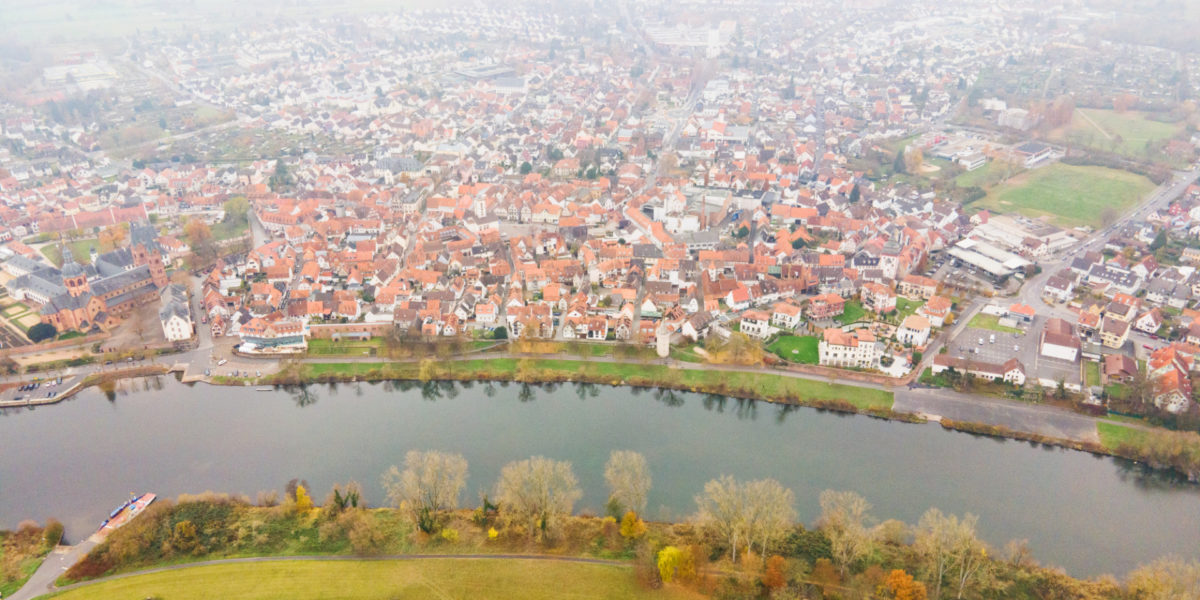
100,294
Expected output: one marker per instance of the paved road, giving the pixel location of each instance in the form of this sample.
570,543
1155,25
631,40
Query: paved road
61,559
29,591
1031,292
1044,420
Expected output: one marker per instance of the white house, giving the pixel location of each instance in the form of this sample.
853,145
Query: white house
857,348
785,315
174,315
757,324
914,331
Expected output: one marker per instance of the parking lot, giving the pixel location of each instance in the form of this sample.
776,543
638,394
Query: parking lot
38,388
976,344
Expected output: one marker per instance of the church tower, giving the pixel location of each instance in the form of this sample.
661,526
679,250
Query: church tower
146,251
74,278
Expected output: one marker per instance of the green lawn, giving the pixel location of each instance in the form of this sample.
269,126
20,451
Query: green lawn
1113,435
1127,133
939,380
321,347
991,323
14,310
80,249
766,386
1068,195
853,313
906,307
986,176
686,354
1091,369
381,580
230,228
797,349
1115,390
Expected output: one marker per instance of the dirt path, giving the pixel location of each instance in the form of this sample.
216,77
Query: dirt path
1104,133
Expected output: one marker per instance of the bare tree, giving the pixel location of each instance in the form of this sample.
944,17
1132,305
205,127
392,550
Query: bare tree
430,484
537,490
747,513
949,547
772,513
721,509
628,479
844,518
933,542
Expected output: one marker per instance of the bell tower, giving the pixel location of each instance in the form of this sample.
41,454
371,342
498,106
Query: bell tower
74,277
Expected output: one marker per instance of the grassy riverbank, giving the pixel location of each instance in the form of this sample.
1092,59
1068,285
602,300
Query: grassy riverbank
170,535
22,552
761,386
383,580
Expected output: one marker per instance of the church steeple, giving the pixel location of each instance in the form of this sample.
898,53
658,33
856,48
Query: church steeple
74,277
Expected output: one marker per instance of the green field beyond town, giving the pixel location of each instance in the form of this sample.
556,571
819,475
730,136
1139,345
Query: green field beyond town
1068,195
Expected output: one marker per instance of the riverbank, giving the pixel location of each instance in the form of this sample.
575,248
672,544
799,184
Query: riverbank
219,543
1158,448
331,433
23,551
725,380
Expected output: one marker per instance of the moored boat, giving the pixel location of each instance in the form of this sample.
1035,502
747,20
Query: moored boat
126,512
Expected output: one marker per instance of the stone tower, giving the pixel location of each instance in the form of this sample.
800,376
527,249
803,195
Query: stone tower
146,251
74,278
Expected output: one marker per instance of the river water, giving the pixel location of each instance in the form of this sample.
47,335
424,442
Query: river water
77,460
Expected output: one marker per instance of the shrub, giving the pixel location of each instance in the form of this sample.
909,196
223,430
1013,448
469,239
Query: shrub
41,331
674,563
632,527
450,535
53,533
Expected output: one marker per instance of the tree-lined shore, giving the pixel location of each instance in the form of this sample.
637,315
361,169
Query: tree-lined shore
743,541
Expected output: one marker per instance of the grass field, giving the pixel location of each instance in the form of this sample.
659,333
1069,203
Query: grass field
1068,195
853,313
319,347
906,308
1092,370
229,229
1113,435
766,386
991,323
80,249
797,349
985,176
1125,133
382,580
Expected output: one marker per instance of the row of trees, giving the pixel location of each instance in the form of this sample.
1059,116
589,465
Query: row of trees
750,518
535,493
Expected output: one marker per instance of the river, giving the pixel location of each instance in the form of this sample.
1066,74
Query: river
77,460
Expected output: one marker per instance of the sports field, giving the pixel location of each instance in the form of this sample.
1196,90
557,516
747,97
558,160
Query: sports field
440,579
1068,195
